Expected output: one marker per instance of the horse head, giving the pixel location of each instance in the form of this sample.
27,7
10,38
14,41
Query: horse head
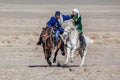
67,30
46,32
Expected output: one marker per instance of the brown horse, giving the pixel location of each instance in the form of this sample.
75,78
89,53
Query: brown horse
48,44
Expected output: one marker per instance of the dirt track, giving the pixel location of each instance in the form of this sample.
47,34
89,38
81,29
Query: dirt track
21,59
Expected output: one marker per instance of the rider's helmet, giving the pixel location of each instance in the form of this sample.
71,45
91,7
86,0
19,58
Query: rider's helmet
57,13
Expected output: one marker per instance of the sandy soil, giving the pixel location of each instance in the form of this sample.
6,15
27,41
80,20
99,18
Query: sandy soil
22,59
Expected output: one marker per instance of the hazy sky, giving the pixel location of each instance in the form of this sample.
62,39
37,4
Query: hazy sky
61,1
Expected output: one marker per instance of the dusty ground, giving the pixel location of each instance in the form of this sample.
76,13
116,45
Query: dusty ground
22,59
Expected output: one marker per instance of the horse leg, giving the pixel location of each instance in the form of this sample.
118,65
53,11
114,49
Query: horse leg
83,57
56,52
55,55
81,52
67,56
47,57
62,48
72,55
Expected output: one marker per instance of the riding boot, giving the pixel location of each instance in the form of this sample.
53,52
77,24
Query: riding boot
40,40
82,41
55,43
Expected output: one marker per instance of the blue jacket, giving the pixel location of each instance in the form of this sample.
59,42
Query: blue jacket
54,22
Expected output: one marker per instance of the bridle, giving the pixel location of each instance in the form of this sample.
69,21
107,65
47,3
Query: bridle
68,31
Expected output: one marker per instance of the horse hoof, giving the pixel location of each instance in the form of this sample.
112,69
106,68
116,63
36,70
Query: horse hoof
72,61
50,64
54,61
65,64
80,65
59,65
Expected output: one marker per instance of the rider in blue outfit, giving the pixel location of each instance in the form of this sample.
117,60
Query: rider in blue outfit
56,22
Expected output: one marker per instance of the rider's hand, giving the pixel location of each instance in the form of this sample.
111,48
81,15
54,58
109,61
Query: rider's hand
58,25
72,16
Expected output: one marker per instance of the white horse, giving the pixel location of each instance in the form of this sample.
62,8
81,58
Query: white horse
73,44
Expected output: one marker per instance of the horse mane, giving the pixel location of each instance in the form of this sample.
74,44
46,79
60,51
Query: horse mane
48,30
70,26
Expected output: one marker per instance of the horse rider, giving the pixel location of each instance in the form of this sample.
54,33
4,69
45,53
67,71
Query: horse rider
78,24
56,22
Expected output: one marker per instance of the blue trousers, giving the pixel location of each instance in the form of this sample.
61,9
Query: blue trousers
57,33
